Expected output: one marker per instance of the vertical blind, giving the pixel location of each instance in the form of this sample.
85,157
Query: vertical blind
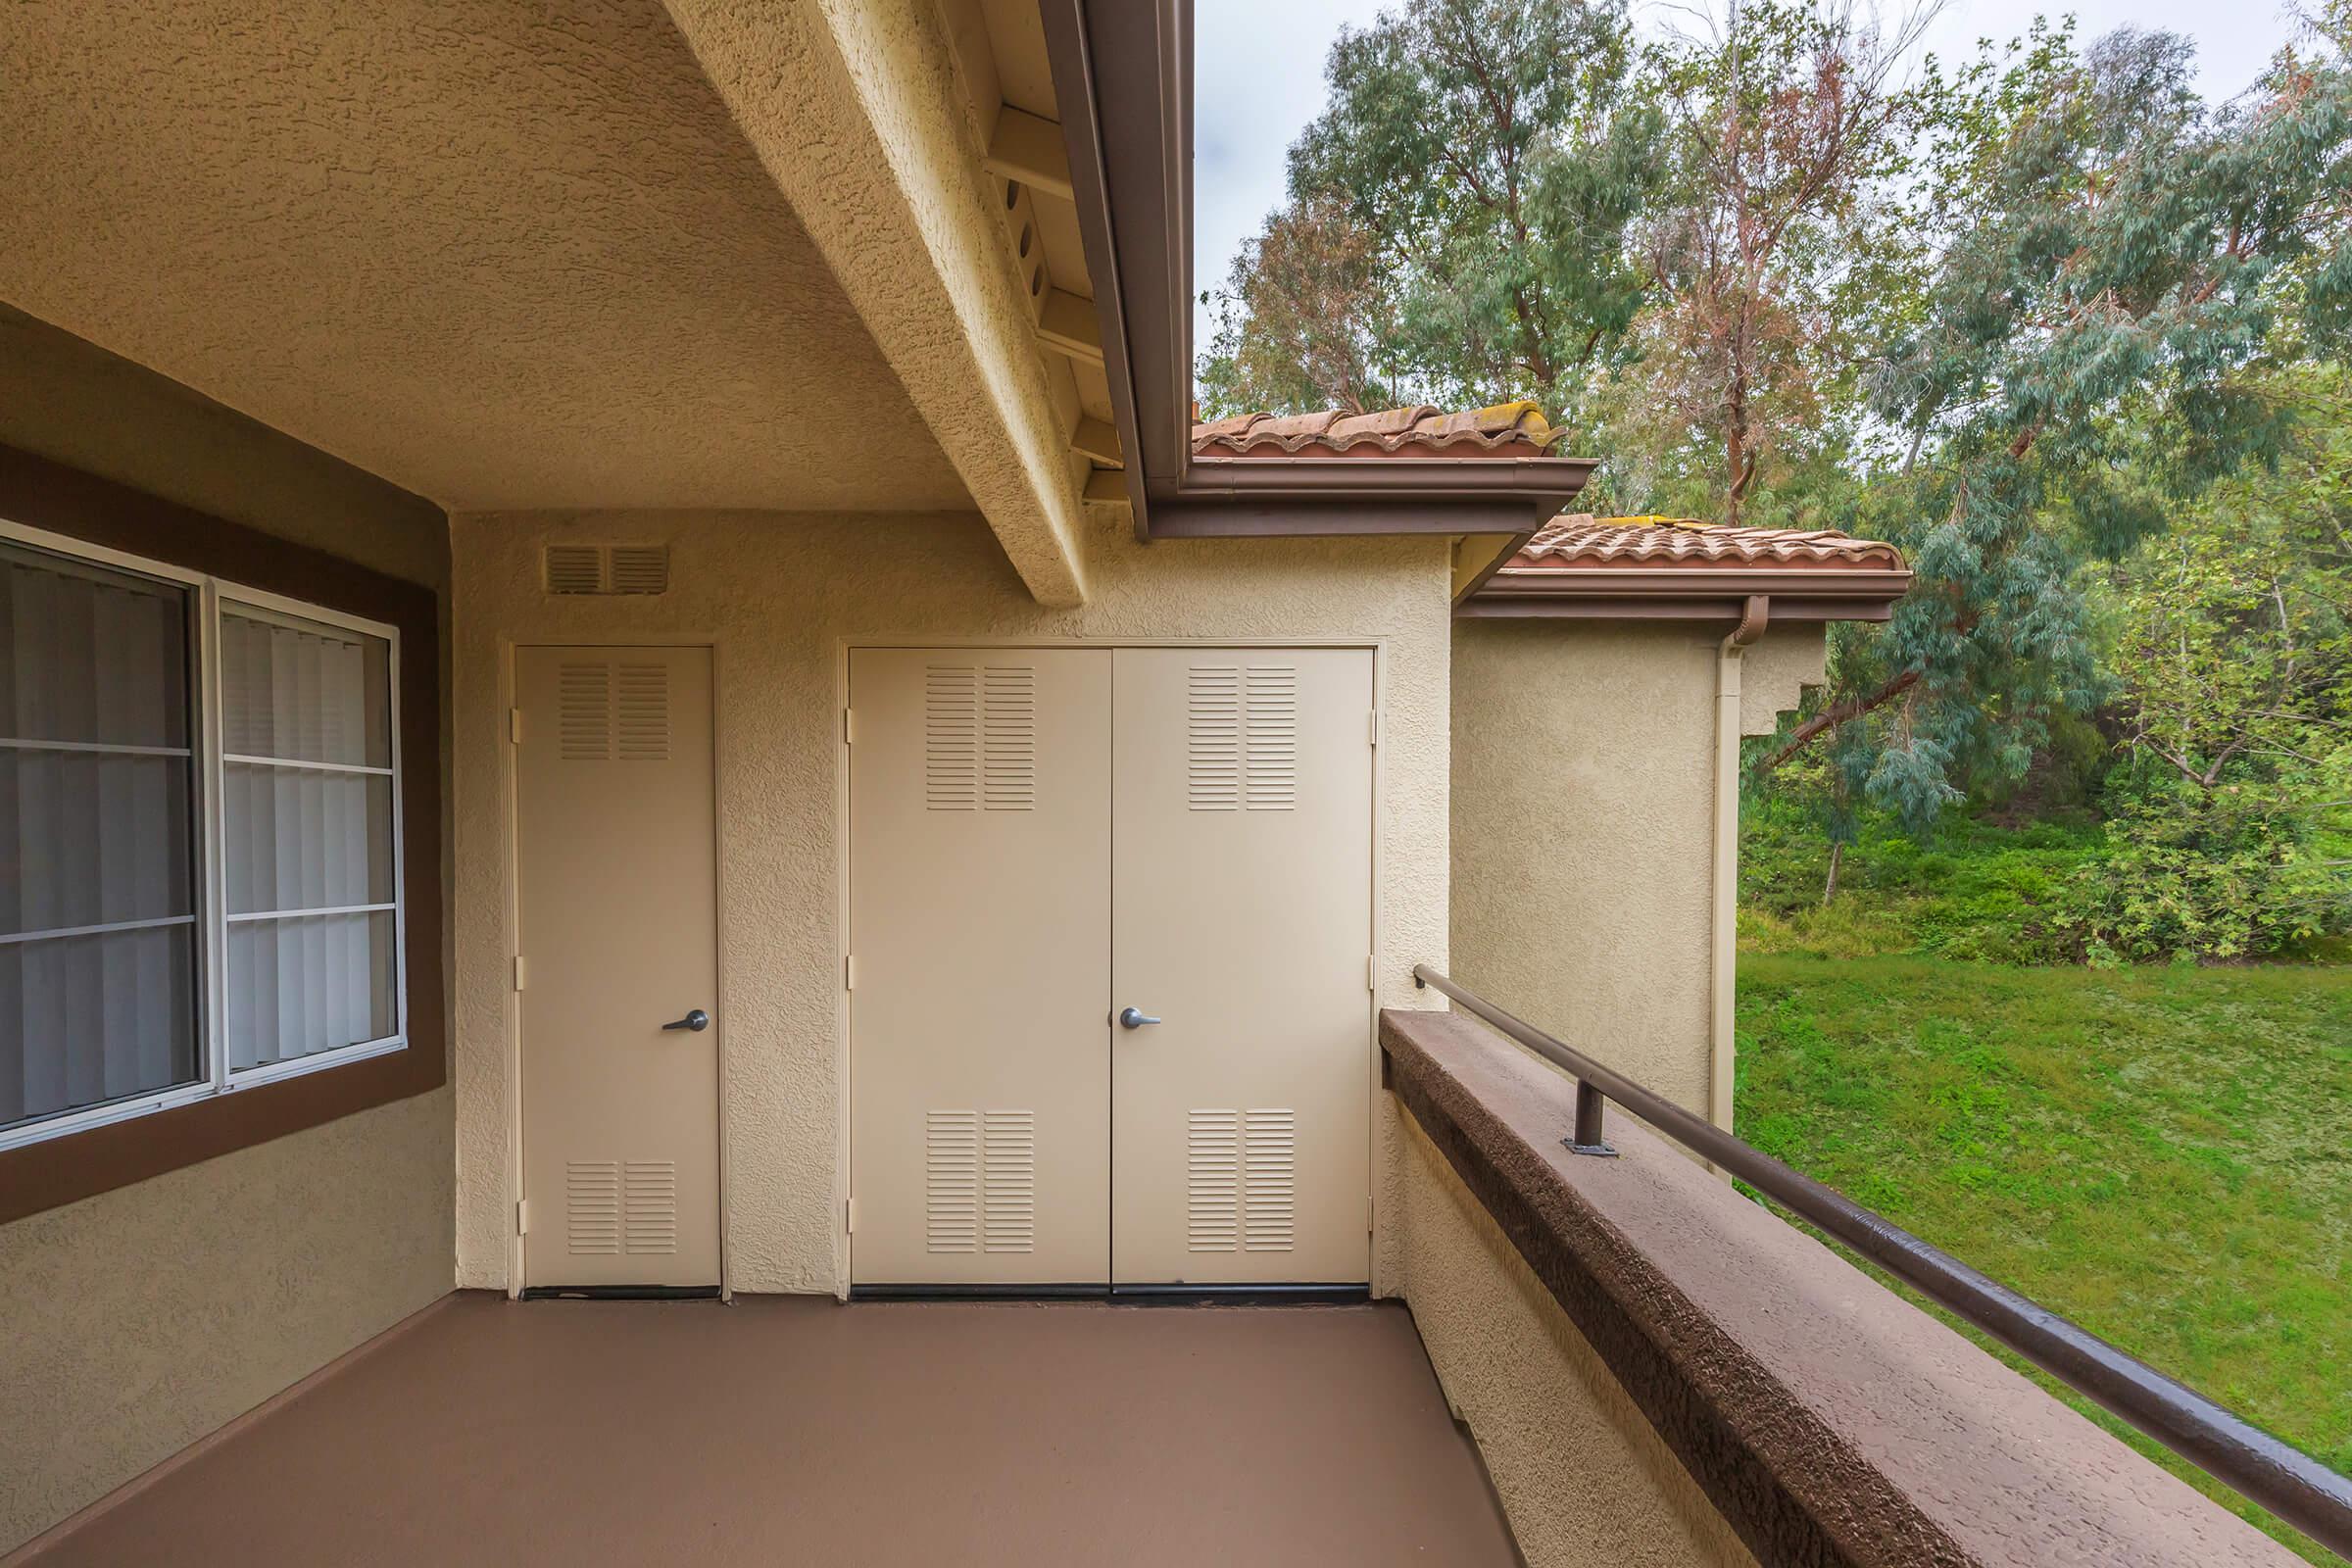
306,837
98,932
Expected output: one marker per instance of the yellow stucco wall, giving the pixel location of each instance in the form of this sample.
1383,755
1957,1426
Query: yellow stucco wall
135,1321
1583,827
779,594
1584,1479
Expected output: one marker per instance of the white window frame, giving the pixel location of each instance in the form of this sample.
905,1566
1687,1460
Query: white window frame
213,597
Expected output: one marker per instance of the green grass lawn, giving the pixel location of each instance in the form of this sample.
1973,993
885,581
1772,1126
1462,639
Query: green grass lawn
2164,1153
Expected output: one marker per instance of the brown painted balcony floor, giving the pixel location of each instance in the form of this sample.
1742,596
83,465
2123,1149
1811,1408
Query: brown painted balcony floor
783,1431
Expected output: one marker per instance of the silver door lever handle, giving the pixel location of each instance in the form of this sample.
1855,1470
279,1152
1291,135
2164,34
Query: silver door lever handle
698,1020
1135,1019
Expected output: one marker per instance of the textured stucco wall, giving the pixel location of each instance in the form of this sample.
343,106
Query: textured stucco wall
1586,1479
1583,805
779,593
137,1320
502,255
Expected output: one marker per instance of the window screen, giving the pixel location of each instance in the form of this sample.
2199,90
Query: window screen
306,837
98,930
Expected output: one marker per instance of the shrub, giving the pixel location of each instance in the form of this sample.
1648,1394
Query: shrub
2188,873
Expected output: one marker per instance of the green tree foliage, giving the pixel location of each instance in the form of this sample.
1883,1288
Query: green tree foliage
2119,263
1488,155
1774,253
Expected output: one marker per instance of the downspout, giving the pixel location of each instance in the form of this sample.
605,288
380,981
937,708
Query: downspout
1723,960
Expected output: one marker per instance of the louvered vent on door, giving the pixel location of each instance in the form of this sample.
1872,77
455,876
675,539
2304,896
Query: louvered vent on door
979,1181
1212,1182
1270,745
1241,738
613,1206
641,713
980,737
584,711
1241,1181
1213,738
592,1207
608,568
650,1206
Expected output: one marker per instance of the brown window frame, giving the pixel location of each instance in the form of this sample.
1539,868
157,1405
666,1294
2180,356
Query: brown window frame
41,494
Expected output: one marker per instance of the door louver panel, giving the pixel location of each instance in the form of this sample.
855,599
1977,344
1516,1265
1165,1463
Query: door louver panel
606,569
592,1207
641,713
979,1181
584,712
1241,738
612,710
1241,1181
614,1207
980,737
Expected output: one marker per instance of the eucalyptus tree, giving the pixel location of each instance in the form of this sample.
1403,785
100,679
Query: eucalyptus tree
2122,266
1457,216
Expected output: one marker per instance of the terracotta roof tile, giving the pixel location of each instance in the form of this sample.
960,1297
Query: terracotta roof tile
1504,430
1577,542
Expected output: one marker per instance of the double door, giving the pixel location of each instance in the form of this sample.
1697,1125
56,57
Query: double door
1110,935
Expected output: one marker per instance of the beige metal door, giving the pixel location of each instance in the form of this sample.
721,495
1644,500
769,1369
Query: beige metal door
1242,914
617,932
980,942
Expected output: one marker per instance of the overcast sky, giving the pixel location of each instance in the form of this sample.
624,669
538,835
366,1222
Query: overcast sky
1259,79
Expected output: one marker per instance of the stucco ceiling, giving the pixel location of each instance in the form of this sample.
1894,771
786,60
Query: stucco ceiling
503,257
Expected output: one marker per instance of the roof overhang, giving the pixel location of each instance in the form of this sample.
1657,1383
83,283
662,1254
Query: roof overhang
1123,75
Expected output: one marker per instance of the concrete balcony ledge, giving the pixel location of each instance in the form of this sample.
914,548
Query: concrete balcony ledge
1829,1420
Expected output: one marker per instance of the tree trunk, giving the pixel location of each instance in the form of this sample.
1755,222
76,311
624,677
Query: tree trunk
1830,717
1829,889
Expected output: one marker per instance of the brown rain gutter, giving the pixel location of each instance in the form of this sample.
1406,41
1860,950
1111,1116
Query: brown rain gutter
1122,78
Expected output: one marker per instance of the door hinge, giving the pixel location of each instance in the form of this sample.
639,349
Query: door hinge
848,1216
514,725
1371,971
849,973
848,726
522,1217
519,971
1376,727
1369,1227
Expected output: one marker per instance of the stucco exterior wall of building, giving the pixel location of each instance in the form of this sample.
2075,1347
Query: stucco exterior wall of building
1583,812
780,595
139,1320
1584,1479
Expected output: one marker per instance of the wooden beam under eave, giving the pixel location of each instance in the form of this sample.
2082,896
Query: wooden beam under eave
1106,484
1029,149
1098,441
1067,326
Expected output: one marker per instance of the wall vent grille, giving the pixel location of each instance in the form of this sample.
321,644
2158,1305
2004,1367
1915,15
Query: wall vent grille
606,569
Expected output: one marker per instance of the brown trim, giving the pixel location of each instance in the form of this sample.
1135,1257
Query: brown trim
1122,75
1491,606
43,494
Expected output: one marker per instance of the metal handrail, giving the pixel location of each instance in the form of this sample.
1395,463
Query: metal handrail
2267,1470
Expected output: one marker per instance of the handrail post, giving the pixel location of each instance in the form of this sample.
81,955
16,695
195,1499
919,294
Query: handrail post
1589,1139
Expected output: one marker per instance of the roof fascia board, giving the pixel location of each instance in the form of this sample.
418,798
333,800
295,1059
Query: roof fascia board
1629,582
1123,75
1787,608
